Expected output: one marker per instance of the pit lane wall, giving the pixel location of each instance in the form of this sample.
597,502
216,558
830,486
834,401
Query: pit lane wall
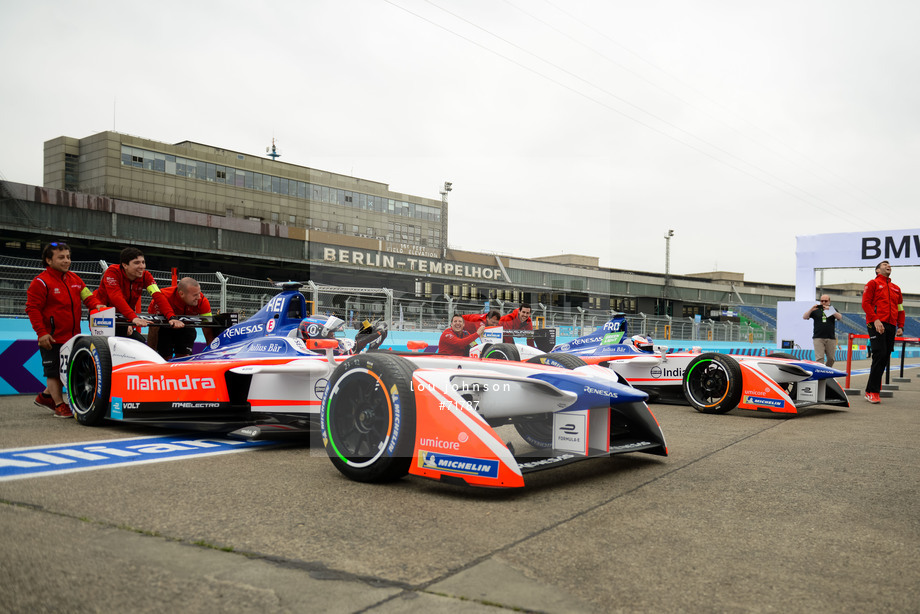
21,363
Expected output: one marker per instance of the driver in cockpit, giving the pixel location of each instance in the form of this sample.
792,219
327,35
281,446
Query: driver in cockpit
369,337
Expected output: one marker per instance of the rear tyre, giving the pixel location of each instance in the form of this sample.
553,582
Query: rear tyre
712,383
89,380
538,431
503,351
368,417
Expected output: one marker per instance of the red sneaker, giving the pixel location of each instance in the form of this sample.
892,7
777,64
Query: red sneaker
44,401
872,397
62,411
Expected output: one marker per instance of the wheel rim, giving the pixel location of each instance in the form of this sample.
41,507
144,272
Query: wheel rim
82,381
708,383
362,423
498,355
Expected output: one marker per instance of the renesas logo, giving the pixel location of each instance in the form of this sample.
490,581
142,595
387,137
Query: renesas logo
601,392
151,382
248,329
890,248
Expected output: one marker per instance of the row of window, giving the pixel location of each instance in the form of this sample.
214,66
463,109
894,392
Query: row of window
217,173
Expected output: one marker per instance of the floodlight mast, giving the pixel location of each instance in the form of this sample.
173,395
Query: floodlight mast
667,264
447,187
667,252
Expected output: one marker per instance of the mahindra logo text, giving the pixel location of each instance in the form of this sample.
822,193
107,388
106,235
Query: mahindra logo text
136,382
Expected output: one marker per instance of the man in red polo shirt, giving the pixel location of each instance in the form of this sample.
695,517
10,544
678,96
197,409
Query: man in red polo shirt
883,304
185,299
471,321
519,319
53,306
455,341
122,286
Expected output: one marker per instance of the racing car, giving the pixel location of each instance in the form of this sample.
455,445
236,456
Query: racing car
710,382
381,415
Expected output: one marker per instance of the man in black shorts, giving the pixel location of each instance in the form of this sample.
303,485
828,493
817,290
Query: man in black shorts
54,310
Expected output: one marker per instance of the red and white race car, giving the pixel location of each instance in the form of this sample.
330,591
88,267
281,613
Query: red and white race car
381,415
709,382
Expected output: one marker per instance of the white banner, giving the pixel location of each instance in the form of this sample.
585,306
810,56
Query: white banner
852,250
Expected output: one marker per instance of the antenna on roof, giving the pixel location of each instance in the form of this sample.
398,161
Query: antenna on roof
272,151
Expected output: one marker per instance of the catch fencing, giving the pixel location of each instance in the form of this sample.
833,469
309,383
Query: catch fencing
401,311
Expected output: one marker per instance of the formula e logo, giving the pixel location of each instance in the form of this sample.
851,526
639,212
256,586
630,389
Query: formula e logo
569,429
167,383
270,326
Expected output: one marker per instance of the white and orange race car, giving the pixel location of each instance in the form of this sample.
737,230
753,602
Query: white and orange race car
381,415
710,382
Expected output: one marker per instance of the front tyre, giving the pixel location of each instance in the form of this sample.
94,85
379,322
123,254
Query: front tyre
368,417
503,351
538,430
712,383
89,380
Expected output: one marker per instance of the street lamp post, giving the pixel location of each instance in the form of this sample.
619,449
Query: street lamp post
666,289
448,186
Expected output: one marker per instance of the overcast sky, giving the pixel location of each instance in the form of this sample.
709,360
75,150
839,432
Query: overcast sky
588,127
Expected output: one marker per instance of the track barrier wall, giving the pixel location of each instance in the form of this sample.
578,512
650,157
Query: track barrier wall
21,368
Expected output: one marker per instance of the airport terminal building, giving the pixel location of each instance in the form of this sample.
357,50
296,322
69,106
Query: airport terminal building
202,208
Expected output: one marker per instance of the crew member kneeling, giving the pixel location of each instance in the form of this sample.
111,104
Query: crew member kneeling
185,299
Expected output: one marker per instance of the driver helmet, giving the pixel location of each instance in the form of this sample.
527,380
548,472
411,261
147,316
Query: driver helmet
641,343
312,328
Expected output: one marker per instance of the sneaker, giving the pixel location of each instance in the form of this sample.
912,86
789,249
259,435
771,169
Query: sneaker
872,397
62,411
43,400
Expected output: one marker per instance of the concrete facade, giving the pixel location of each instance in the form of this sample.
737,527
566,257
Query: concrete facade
205,179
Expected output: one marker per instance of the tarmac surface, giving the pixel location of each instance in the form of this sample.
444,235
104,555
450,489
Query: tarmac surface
750,513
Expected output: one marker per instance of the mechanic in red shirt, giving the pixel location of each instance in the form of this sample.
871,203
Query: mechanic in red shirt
53,306
186,299
884,307
122,286
471,321
519,319
454,341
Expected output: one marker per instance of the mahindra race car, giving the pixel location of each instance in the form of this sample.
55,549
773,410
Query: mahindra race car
381,415
710,382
